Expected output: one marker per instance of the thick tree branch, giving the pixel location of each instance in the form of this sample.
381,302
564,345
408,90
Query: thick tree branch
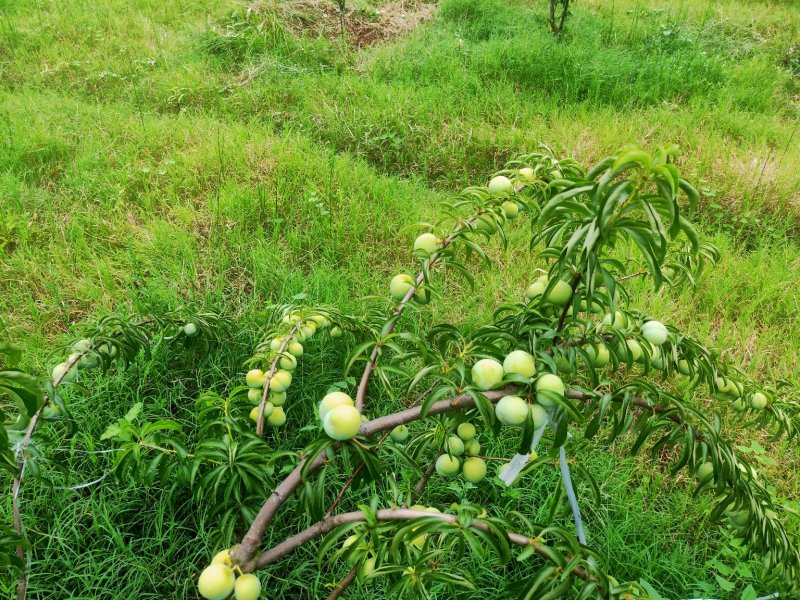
385,515
244,553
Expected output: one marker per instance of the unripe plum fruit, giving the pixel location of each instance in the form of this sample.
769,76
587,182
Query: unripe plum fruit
399,434
526,174
295,349
248,587
549,383
656,358
367,567
336,332
510,209
83,345
600,356
277,417
538,415
466,431
616,321
331,401
559,295
683,367
739,405
216,582
422,295
486,223
487,373
60,372
758,401
511,410
454,445
427,244
474,469
400,286
500,186
447,466
277,398
255,378
520,363
287,362
705,471
655,332
635,349
321,321
269,408
472,446
276,344
223,557
90,360
342,423
190,330
281,381
728,387
537,288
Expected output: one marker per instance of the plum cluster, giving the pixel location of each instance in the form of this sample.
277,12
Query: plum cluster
218,581
283,356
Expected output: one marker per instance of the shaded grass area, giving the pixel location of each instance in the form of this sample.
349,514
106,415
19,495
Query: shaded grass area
154,152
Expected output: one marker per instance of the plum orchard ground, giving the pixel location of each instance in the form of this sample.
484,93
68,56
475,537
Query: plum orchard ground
136,171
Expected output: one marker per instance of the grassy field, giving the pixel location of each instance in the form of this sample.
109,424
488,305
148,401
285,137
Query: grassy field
157,152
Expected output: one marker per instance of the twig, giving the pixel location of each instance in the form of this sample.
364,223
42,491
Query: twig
361,393
637,401
22,586
632,275
423,481
346,581
352,478
268,379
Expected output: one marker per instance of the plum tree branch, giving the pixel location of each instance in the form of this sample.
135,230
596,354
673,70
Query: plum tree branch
386,515
243,553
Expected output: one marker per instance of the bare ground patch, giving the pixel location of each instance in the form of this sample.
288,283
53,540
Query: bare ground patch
362,27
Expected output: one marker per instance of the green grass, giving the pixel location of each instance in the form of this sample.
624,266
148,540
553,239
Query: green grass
157,152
